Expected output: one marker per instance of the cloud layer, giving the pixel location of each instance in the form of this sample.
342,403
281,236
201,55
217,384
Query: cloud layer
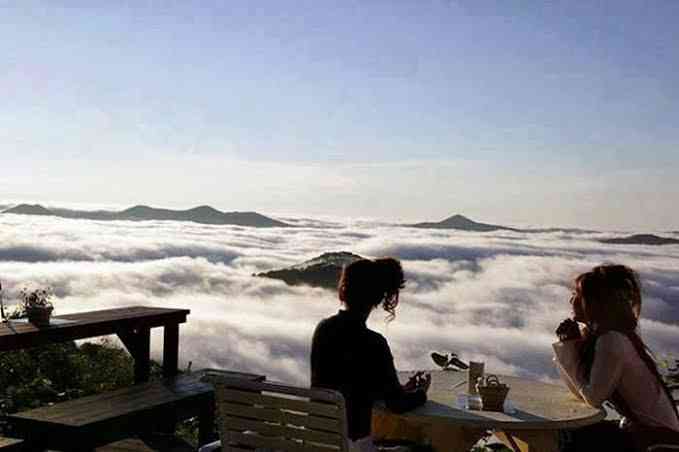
494,296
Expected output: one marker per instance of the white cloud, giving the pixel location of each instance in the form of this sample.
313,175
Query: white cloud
495,297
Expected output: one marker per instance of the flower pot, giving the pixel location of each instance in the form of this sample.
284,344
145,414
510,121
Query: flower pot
39,315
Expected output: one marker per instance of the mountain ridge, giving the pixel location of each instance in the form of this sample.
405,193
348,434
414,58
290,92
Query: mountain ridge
641,239
201,214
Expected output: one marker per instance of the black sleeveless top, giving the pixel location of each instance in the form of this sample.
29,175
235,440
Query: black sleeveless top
356,361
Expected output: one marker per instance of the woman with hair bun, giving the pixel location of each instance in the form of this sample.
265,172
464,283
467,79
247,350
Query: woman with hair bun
606,360
349,357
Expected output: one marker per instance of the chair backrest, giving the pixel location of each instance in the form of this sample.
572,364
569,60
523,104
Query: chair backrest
259,415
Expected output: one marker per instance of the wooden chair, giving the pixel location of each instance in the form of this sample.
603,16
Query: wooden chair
258,415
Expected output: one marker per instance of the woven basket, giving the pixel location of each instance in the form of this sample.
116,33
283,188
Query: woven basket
492,393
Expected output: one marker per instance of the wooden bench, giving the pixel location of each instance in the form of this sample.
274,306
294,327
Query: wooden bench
11,445
93,421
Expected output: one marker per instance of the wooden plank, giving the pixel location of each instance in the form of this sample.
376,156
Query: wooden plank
11,444
283,417
252,440
104,431
230,448
277,401
166,443
126,445
316,394
282,430
94,408
14,335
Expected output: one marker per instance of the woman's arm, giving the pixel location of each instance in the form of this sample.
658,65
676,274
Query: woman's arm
566,358
395,397
606,368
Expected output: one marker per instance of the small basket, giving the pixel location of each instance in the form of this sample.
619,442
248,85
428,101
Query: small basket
492,393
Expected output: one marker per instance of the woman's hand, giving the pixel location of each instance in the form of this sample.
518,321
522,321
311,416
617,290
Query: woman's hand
413,382
419,381
568,330
424,383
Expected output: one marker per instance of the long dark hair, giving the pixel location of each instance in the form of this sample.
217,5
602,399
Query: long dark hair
366,284
611,301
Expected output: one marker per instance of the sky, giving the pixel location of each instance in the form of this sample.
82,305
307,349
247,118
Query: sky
525,113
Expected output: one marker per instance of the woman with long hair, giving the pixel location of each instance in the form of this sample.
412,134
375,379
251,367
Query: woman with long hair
349,357
605,359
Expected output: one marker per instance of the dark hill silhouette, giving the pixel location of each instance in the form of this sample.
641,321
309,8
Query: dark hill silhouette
322,271
462,223
201,214
641,239
29,209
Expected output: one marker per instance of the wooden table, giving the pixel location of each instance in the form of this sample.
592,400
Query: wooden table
132,325
541,411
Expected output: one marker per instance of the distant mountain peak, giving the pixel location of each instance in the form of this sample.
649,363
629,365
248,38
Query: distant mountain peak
204,209
336,258
137,208
457,216
460,222
321,271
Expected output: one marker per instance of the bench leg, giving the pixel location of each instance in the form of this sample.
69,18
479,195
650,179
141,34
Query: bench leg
206,423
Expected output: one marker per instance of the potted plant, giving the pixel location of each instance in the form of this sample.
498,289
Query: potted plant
37,305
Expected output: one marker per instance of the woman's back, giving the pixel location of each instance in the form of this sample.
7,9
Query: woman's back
349,357
636,384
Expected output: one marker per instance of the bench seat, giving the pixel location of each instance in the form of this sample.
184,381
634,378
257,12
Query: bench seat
93,421
152,444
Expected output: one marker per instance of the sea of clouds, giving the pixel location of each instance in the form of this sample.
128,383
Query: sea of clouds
495,297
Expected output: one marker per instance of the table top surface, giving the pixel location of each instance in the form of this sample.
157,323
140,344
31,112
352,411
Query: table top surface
17,334
538,405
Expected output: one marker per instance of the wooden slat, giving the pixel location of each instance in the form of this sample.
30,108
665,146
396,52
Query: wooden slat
316,394
87,410
236,449
148,444
243,439
280,402
283,417
271,429
10,444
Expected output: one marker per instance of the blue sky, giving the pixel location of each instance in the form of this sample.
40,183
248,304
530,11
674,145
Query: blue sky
524,112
